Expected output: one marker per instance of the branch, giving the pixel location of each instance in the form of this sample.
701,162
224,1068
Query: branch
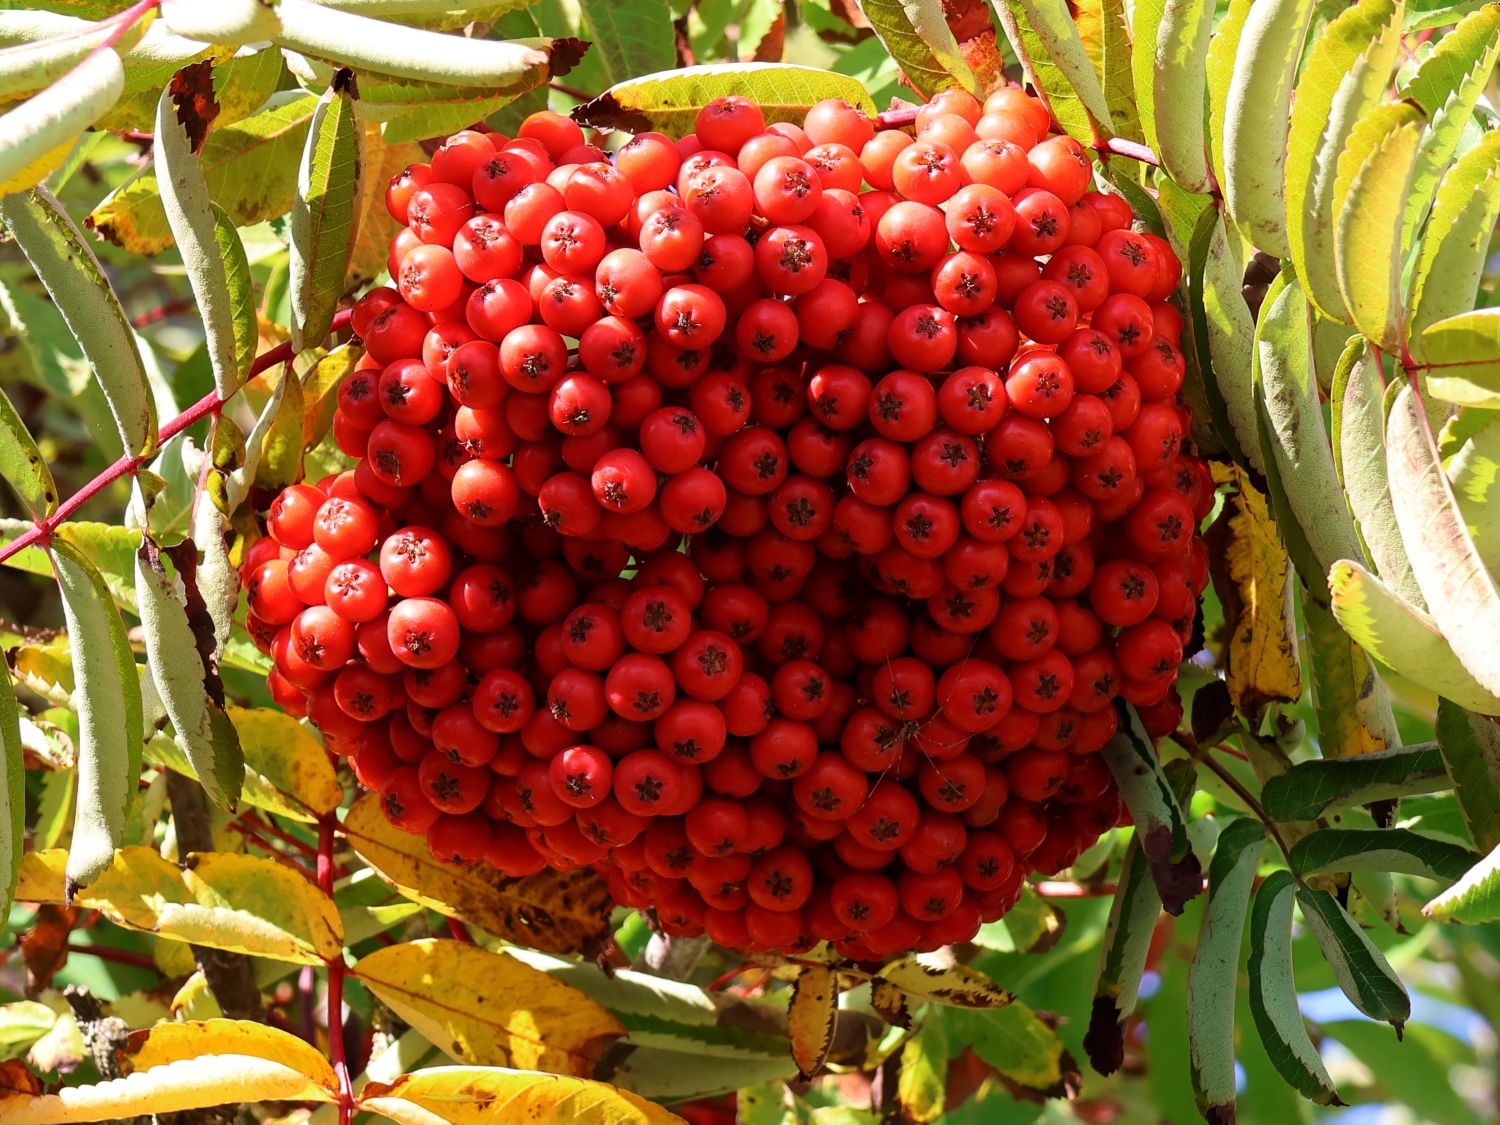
336,971
129,465
228,974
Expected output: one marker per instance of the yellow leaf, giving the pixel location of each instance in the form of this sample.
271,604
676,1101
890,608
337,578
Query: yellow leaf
488,1008
1253,577
478,1095
170,1088
284,759
171,1042
814,1008
1354,707
372,240
927,977
557,912
245,904
41,877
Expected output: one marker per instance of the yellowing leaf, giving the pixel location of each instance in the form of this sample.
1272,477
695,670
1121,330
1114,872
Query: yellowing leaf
171,1042
250,168
1254,581
815,1003
489,1008
170,1088
480,1095
560,912
286,769
1354,707
1463,356
929,979
372,239
669,101
241,903
1369,200
1401,637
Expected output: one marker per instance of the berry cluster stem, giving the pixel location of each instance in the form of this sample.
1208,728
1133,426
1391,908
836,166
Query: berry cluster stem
336,971
130,464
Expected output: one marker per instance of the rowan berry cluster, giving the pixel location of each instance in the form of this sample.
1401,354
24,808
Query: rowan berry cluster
770,519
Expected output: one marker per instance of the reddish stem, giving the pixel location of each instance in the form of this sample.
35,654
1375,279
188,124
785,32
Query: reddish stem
130,464
257,840
116,956
271,830
460,931
336,970
161,312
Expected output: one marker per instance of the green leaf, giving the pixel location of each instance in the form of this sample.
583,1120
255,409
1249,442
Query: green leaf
397,9
1448,86
1222,49
1179,79
1145,32
916,34
1300,457
1362,971
1402,637
1475,898
22,465
323,213
1369,195
675,1015
1451,263
1463,358
1133,913
1223,332
1471,749
1256,119
66,265
275,444
1305,790
1354,706
12,795
1347,72
1213,977
186,678
1378,849
36,135
669,102
631,39
1113,57
1358,419
192,219
1045,39
1016,1042
1474,472
363,43
1160,826
250,168
110,720
1273,993
1460,592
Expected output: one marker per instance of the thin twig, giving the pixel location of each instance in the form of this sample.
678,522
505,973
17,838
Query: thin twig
1254,805
571,91
130,464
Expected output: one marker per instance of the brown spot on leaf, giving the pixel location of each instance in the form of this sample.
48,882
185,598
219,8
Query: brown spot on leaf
192,94
1105,1039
